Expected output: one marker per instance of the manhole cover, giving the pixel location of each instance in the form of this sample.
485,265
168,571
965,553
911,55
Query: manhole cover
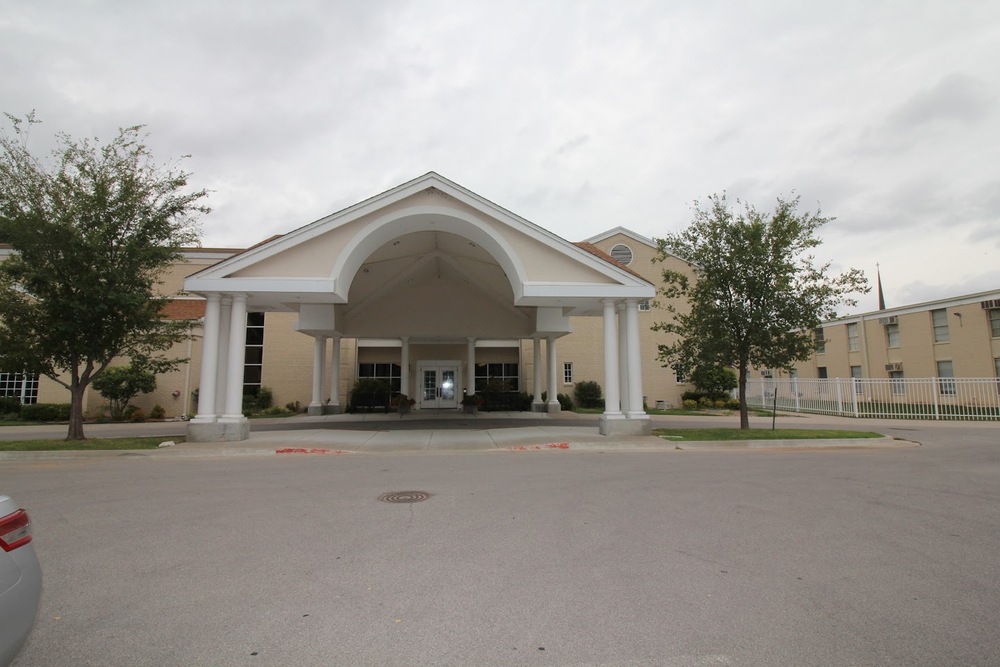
404,496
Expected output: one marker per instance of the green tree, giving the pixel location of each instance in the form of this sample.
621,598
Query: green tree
758,293
92,231
120,384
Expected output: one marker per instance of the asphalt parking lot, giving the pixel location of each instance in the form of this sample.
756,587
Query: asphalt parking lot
798,557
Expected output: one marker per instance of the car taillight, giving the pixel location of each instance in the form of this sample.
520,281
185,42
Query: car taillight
15,530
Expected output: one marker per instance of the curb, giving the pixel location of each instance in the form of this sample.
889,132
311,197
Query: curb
212,451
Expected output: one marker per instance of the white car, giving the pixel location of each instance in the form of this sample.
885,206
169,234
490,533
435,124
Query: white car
20,580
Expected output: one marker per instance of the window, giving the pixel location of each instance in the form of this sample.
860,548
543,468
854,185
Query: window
494,376
644,306
253,359
821,372
622,253
567,372
892,335
680,373
389,372
896,380
939,318
994,314
22,386
945,373
820,340
852,337
996,364
856,375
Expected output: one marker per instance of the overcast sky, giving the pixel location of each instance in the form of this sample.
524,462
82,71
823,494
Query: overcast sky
579,116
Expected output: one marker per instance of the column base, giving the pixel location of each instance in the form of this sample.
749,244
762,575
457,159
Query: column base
618,425
539,407
331,409
553,406
218,431
314,409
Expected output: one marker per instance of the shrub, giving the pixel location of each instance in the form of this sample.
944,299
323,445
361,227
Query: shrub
135,414
10,404
276,411
588,394
157,412
120,384
256,403
565,402
705,402
732,404
294,406
10,417
715,381
690,404
368,393
693,396
524,401
265,398
720,404
45,412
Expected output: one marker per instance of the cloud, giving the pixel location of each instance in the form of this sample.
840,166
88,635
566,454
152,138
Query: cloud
956,97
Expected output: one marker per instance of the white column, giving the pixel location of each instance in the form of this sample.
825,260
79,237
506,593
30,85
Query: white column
319,366
537,400
612,400
209,361
470,378
622,357
335,373
550,351
237,350
225,317
404,367
634,375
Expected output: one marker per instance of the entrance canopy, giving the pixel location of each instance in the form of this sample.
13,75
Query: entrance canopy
425,261
391,258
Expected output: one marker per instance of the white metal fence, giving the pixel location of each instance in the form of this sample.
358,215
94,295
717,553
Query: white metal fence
903,398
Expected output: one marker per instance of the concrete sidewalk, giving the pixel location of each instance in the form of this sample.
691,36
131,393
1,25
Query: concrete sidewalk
417,432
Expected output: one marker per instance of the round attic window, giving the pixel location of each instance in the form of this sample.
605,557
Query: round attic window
622,253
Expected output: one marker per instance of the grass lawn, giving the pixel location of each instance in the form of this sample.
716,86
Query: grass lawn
701,434
84,445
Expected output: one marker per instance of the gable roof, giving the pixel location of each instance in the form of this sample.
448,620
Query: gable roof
514,242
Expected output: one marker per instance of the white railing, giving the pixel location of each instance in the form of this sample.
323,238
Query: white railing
905,398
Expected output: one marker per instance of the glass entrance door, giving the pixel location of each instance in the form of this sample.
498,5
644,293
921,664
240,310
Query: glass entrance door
437,388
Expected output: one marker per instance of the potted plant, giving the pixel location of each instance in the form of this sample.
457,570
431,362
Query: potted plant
402,403
471,403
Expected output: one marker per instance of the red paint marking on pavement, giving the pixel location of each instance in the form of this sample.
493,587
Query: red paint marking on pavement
304,450
536,448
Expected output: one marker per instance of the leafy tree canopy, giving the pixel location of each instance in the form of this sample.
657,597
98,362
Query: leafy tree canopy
758,292
92,230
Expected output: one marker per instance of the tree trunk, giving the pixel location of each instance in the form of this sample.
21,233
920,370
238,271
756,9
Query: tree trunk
744,415
76,413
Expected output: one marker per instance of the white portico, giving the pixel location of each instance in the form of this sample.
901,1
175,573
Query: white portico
437,272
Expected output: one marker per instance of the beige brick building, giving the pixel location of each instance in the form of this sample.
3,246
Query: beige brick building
440,292
427,286
957,337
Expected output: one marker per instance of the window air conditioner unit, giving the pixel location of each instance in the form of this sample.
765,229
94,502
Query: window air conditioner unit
894,368
766,373
892,319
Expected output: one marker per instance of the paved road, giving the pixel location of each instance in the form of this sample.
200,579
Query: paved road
846,557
